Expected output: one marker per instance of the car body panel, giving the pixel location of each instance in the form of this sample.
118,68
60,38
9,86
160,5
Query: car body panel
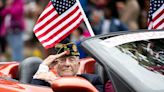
10,86
125,72
9,69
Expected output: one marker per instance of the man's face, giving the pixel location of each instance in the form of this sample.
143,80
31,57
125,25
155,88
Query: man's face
67,66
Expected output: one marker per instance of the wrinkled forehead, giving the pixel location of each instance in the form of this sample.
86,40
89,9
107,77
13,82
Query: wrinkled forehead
72,58
69,57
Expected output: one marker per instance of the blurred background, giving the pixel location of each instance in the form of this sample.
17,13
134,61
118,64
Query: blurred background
18,17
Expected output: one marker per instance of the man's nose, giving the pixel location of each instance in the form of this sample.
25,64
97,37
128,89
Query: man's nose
67,62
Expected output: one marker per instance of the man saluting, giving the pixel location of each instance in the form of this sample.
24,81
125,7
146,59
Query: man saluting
66,64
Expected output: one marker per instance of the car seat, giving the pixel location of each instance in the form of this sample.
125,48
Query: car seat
9,69
73,84
28,68
87,65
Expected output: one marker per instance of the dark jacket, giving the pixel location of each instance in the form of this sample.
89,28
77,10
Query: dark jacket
115,26
92,78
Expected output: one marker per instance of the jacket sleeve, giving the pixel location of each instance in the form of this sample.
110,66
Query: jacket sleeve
42,69
40,82
5,11
18,9
123,27
98,84
95,80
13,11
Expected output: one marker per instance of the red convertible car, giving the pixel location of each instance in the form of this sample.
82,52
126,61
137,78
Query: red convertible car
126,62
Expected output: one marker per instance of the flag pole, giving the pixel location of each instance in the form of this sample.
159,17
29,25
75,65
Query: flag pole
86,20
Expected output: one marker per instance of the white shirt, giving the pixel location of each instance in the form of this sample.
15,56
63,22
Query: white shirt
105,27
42,69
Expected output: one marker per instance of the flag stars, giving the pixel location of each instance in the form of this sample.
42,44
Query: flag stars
62,5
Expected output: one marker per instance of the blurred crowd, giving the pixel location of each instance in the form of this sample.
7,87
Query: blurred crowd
18,17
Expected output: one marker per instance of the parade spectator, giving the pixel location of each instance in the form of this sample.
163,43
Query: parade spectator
144,5
14,23
2,33
100,3
77,37
110,23
96,18
129,15
84,3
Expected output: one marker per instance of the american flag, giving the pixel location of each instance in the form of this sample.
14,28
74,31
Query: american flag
57,21
156,14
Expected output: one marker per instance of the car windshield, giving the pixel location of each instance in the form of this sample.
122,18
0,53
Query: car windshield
147,53
147,49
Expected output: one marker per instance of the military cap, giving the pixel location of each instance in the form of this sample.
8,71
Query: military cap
66,45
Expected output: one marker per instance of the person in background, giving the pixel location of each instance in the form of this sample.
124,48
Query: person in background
99,3
64,64
144,9
96,18
14,23
110,23
84,3
77,37
2,33
129,15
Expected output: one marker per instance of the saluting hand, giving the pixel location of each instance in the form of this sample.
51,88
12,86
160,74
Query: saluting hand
52,58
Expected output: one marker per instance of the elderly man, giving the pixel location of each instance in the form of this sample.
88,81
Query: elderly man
63,65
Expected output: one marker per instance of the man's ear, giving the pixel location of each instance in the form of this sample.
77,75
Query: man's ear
78,62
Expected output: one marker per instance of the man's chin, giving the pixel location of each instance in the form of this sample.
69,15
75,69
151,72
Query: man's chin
67,74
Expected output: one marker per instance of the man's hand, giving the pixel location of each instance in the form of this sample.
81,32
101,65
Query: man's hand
49,76
52,58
